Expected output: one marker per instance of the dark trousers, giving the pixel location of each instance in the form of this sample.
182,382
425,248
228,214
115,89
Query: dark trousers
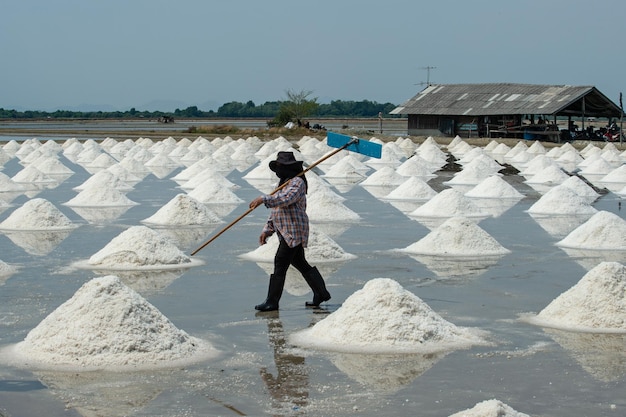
286,256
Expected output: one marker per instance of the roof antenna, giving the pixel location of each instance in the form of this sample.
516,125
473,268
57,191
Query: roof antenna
427,68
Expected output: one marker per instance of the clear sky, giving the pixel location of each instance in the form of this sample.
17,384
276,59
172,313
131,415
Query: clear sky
163,55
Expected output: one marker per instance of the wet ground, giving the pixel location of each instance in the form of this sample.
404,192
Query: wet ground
536,371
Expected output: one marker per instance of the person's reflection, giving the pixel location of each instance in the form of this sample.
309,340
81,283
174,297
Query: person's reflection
290,385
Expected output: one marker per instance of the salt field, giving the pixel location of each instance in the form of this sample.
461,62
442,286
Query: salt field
491,287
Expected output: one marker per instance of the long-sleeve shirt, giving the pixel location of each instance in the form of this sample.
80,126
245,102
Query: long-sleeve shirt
288,213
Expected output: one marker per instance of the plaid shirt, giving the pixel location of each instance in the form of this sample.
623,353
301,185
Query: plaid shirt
288,213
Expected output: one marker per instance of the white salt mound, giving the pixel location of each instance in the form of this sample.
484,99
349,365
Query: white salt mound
385,176
139,246
100,196
37,214
107,324
183,210
326,207
458,237
395,320
494,187
490,408
562,200
596,303
449,203
603,231
414,189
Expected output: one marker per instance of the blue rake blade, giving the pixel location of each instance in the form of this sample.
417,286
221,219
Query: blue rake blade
361,146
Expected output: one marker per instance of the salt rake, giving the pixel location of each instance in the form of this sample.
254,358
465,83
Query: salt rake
334,140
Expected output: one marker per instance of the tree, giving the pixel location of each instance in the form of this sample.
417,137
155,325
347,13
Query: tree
297,106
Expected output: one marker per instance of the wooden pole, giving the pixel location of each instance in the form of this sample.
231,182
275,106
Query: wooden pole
231,224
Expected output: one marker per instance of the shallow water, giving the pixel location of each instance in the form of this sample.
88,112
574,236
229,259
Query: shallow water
535,371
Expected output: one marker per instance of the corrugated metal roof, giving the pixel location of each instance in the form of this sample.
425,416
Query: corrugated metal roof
503,99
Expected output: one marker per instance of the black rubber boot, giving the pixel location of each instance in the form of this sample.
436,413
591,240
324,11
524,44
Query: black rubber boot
317,284
273,294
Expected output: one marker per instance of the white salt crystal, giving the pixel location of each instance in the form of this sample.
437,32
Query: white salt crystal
100,195
210,192
139,246
603,231
395,320
183,210
106,324
457,236
104,178
616,175
562,200
385,176
449,203
550,175
490,408
37,214
325,207
581,188
597,302
494,187
414,189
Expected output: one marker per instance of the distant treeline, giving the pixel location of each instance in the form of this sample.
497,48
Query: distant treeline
233,109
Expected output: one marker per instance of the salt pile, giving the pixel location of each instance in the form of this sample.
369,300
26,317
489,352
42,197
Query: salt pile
563,201
394,321
490,408
326,207
616,175
100,196
414,189
183,210
347,167
214,193
416,167
581,188
139,247
494,187
321,249
473,173
208,174
37,214
104,178
551,174
448,203
32,175
458,237
108,325
385,176
603,231
596,303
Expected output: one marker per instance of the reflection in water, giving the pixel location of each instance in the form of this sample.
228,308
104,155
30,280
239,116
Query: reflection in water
100,215
559,226
451,267
602,355
289,387
101,393
589,258
387,373
294,282
38,242
496,207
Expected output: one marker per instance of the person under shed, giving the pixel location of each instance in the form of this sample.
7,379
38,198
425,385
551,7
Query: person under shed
288,219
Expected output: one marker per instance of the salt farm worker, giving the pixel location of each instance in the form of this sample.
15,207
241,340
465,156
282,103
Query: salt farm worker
289,220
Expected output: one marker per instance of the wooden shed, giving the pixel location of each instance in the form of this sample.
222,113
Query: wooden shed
505,110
